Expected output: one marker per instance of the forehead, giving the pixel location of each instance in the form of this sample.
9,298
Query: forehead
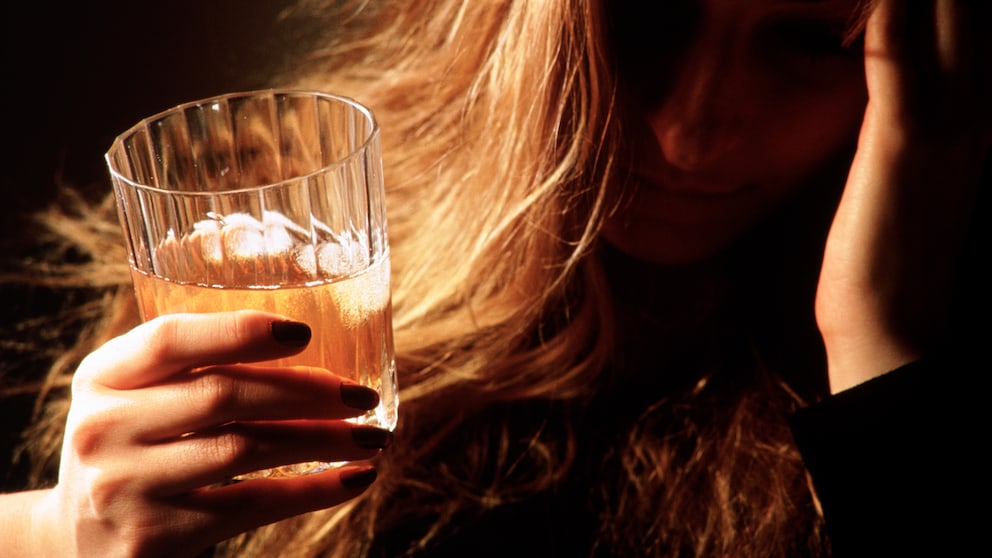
751,9
839,3
832,5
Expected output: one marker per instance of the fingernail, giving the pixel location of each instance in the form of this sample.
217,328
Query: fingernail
359,397
371,437
358,477
294,334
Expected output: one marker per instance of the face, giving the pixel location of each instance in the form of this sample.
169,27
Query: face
734,104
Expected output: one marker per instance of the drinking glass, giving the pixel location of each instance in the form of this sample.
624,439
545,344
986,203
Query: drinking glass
270,200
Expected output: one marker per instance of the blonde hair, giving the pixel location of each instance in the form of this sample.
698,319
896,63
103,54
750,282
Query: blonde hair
493,115
495,185
503,153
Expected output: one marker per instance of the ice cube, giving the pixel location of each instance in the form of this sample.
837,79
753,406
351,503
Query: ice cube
357,298
305,260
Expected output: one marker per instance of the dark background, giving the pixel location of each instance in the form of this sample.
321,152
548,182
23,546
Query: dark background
77,75
74,76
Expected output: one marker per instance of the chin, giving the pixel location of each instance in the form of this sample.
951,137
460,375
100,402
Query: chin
670,245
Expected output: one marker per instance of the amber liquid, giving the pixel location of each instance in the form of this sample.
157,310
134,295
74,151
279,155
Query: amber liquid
350,318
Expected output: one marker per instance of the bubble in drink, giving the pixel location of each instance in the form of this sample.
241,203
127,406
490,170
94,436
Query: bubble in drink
350,315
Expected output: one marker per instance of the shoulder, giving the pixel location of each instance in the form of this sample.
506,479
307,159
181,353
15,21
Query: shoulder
894,460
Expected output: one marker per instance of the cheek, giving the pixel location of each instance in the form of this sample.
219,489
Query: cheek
797,138
803,132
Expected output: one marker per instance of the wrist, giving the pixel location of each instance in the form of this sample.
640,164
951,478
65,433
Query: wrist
853,359
27,525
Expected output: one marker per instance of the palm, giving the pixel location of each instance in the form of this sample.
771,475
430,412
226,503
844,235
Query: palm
889,260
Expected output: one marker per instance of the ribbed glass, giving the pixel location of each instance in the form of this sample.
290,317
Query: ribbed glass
271,200
273,170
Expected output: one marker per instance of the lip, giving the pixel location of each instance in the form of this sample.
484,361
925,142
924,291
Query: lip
691,188
687,203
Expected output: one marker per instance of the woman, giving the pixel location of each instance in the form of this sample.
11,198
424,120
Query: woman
607,228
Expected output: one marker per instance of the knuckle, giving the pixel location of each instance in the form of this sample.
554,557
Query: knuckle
136,540
114,505
243,326
130,545
97,363
216,394
86,371
106,492
160,336
231,448
89,436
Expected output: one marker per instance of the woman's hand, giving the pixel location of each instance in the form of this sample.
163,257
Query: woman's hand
888,268
161,417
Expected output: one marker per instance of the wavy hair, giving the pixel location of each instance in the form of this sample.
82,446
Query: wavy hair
503,153
503,145
497,123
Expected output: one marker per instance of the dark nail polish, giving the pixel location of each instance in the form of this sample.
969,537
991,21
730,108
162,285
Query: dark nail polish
359,477
294,334
370,437
359,397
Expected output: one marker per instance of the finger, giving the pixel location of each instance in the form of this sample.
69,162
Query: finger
213,396
173,343
900,60
956,36
964,50
927,62
206,459
961,34
240,507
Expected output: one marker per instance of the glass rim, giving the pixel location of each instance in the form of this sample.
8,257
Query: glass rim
118,143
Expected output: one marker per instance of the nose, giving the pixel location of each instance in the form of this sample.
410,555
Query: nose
699,121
